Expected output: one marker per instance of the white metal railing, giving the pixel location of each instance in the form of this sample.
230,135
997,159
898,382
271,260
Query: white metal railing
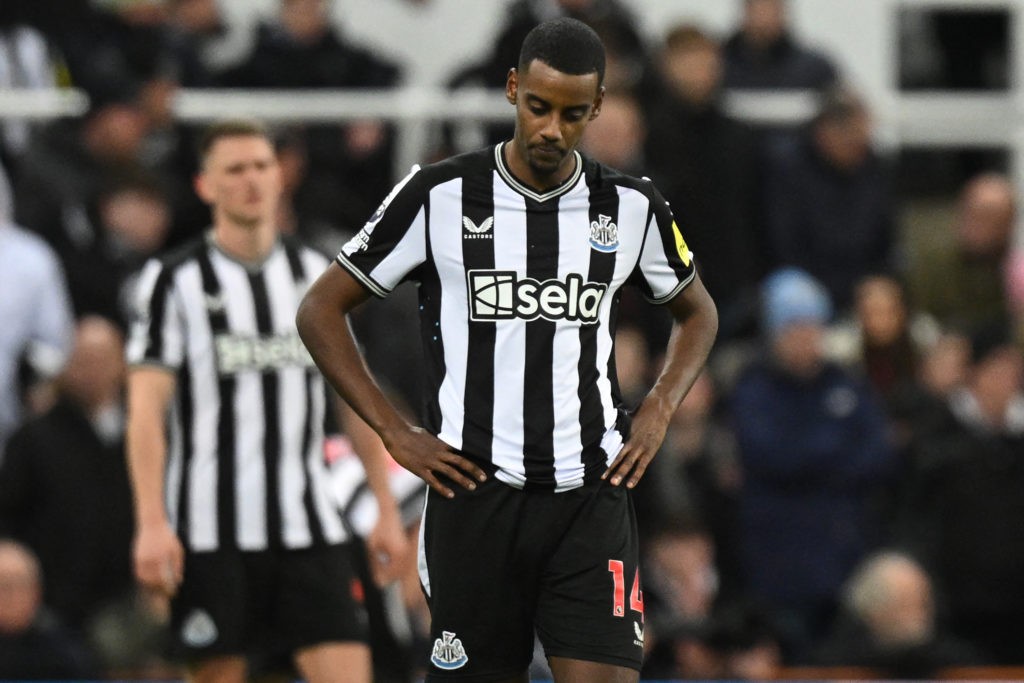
934,119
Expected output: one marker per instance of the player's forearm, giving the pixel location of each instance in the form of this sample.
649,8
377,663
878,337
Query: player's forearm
693,334
374,457
323,326
147,454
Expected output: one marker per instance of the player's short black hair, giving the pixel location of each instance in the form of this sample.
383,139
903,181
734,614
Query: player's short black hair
567,45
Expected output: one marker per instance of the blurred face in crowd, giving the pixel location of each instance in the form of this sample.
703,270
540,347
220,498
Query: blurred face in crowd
798,347
137,220
881,310
996,380
552,111
764,21
693,72
95,371
987,212
305,20
944,367
617,136
844,140
240,178
115,132
20,589
904,613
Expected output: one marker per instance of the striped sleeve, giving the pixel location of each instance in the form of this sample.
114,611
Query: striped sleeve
393,242
157,333
666,264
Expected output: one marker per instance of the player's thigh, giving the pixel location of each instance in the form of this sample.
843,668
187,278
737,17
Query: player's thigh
211,611
481,599
319,599
335,663
591,605
578,671
226,669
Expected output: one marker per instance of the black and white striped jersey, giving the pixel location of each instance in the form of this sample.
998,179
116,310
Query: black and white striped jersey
518,293
245,464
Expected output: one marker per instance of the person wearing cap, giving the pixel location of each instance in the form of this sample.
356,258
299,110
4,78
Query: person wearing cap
813,447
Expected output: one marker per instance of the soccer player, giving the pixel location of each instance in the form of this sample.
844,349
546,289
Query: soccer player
233,514
519,252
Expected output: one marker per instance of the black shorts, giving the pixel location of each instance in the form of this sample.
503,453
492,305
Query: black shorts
498,563
274,601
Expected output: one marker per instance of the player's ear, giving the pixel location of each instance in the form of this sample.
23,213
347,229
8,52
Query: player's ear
596,109
201,185
512,85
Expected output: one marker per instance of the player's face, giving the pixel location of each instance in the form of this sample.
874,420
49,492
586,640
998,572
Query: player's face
552,110
241,180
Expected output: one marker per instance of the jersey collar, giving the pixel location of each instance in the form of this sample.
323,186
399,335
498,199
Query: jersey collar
506,174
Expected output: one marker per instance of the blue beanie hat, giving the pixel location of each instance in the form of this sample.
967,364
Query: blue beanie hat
791,295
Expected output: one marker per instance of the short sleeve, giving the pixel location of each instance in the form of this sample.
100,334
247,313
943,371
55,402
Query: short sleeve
157,334
393,242
666,264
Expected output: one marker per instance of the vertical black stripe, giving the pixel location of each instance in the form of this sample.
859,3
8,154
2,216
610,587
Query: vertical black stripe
294,254
157,313
185,408
271,421
316,529
604,208
430,332
538,396
216,308
478,253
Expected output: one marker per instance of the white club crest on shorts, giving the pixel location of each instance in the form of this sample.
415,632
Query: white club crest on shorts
199,629
448,652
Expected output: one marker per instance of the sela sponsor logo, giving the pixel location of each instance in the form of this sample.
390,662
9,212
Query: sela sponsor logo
198,629
448,653
503,295
240,353
604,235
478,232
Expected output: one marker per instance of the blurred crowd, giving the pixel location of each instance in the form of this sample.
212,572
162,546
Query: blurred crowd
840,488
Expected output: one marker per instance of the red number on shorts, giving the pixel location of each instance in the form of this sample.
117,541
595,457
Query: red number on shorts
636,597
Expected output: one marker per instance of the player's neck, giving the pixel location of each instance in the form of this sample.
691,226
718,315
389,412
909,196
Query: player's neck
247,243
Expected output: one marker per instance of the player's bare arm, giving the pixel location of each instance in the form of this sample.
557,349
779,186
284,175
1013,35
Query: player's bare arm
157,552
322,322
693,333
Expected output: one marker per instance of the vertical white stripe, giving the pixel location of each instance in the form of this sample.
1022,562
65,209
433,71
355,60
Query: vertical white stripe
202,473
172,481
446,245
405,256
293,410
510,340
421,550
250,476
573,257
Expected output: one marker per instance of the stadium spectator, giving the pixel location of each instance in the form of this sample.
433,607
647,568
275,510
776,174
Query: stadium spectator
827,206
528,512
963,512
132,216
764,54
70,162
32,645
628,69
959,274
706,164
63,484
813,445
300,48
889,623
233,515
28,63
883,338
36,334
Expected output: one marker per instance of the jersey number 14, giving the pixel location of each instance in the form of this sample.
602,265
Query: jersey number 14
636,597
